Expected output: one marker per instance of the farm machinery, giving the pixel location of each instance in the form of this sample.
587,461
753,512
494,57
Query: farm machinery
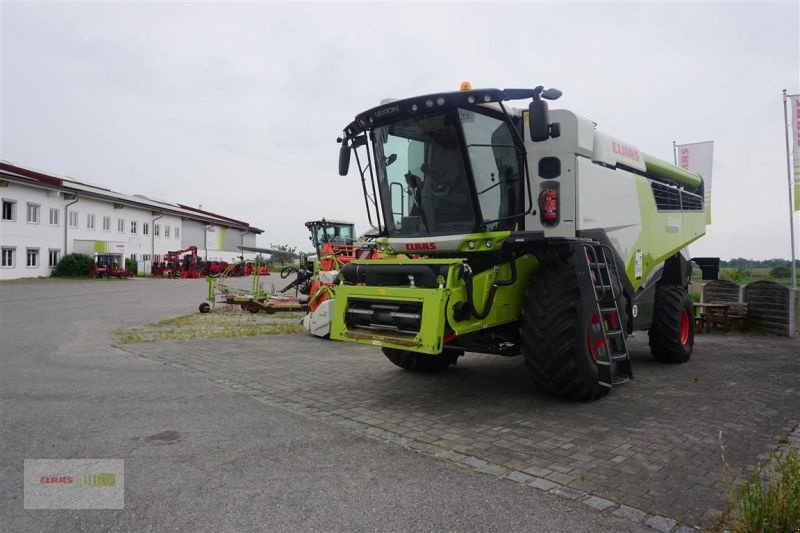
109,266
187,264
254,299
516,232
179,264
335,245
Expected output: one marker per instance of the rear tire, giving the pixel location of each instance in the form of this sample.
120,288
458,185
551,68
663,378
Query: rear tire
554,326
204,307
672,332
419,362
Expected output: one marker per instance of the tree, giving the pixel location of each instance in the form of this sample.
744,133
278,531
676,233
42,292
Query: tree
780,272
283,253
737,275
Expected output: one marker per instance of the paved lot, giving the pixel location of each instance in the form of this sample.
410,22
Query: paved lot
204,457
654,444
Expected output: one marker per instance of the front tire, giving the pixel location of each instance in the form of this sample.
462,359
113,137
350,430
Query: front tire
554,329
419,362
672,332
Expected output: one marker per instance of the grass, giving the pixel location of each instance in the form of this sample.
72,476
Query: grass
769,500
214,325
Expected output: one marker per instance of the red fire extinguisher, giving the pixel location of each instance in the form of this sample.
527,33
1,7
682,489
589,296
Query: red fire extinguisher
548,203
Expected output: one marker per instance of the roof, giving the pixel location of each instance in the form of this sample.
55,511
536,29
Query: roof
79,188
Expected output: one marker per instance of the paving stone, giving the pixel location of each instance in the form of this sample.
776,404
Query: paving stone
659,523
519,477
633,446
473,462
567,494
601,504
538,471
493,470
542,484
629,513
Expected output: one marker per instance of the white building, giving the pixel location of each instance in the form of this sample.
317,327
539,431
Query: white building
44,217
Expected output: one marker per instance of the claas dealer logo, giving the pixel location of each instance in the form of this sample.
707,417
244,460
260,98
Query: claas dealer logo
82,480
420,246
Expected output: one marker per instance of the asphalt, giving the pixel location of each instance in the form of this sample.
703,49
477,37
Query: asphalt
202,457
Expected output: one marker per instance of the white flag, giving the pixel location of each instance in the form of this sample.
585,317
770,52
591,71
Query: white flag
794,119
699,158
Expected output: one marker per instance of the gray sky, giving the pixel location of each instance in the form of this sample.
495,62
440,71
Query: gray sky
237,106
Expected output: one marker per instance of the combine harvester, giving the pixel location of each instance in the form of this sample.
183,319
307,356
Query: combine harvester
516,231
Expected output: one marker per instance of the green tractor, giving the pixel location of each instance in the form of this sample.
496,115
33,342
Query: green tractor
516,231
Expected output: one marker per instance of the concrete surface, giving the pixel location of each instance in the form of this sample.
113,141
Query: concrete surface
204,456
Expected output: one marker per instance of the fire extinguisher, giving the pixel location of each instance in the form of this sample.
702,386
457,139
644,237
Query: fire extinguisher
548,204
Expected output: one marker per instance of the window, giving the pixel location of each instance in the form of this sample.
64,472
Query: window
53,258
53,216
73,219
145,257
177,232
106,223
33,213
495,168
90,221
8,256
33,257
9,210
121,225
156,230
133,257
145,229
166,231
133,226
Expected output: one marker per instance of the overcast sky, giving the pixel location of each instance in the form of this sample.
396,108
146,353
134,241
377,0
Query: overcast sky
237,106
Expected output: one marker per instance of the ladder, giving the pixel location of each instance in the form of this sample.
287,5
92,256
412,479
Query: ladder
607,332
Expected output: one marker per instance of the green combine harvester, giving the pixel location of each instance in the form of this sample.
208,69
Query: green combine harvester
516,231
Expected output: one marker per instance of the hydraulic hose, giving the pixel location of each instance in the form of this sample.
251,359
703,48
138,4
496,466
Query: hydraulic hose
467,272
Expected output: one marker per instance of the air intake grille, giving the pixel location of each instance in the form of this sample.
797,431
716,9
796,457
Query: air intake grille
671,198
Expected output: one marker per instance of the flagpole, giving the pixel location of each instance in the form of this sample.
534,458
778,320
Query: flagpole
792,304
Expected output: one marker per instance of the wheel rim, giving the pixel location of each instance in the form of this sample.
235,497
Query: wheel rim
685,327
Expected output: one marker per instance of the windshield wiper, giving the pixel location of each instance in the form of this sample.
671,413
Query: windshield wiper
490,187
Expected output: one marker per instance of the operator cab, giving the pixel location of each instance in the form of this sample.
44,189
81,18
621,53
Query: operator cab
444,164
330,232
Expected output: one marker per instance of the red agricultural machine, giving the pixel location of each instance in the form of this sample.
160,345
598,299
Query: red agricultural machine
179,264
109,266
187,264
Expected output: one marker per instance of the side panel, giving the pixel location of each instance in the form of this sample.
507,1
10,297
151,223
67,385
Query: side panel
622,203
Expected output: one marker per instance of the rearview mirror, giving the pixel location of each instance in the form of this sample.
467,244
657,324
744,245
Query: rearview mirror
539,120
344,158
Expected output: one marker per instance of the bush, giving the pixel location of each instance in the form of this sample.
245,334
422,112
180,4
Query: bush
74,265
132,266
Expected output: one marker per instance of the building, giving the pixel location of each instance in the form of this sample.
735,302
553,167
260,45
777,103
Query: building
45,217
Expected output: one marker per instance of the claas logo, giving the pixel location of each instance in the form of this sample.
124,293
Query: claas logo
420,246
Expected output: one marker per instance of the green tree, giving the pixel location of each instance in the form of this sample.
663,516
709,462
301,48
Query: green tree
283,253
737,275
780,272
